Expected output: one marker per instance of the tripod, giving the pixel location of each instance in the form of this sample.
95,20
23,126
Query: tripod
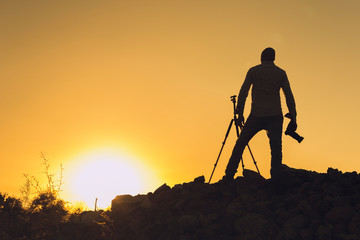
233,121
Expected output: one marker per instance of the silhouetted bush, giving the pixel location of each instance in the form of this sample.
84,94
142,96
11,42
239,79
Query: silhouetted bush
41,214
46,213
13,222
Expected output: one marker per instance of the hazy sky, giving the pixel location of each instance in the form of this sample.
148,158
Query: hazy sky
153,80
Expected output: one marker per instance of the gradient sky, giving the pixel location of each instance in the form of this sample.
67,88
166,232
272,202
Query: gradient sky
153,80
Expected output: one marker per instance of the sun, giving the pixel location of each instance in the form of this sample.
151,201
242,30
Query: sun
99,176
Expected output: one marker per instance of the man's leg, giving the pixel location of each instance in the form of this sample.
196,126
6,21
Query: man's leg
250,128
274,130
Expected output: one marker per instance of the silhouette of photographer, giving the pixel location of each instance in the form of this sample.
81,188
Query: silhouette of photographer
266,80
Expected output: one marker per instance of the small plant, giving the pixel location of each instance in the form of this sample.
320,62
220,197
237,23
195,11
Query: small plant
25,191
32,183
46,210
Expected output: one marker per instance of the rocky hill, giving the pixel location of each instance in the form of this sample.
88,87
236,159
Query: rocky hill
304,205
308,205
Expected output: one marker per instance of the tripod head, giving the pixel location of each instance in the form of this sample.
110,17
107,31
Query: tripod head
233,99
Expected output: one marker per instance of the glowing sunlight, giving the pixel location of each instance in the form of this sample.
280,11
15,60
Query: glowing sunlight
104,174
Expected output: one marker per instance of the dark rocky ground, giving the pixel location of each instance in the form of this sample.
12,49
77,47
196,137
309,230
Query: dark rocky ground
307,206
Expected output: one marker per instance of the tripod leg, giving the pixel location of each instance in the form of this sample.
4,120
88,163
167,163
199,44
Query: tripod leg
226,136
242,163
252,156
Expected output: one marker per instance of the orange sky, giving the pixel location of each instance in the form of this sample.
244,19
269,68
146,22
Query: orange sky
152,80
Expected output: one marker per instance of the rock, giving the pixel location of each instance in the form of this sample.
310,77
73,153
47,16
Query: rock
236,209
345,236
215,194
124,205
252,176
146,203
306,233
332,189
255,226
324,206
162,188
152,231
297,222
291,228
333,174
288,233
339,214
324,233
119,200
189,223
200,179
91,217
294,177
164,196
305,207
354,224
178,187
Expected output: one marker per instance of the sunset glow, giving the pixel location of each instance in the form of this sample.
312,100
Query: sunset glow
103,175
152,80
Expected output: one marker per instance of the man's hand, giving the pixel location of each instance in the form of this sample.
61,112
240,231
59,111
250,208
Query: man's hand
292,125
240,121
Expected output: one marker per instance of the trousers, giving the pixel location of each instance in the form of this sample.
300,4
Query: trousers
274,127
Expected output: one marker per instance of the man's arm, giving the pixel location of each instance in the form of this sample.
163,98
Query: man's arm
290,101
244,91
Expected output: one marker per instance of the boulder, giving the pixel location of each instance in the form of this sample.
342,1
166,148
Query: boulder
255,226
200,179
340,214
252,176
162,188
189,223
124,205
91,217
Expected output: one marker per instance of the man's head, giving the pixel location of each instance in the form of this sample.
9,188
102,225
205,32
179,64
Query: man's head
268,55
